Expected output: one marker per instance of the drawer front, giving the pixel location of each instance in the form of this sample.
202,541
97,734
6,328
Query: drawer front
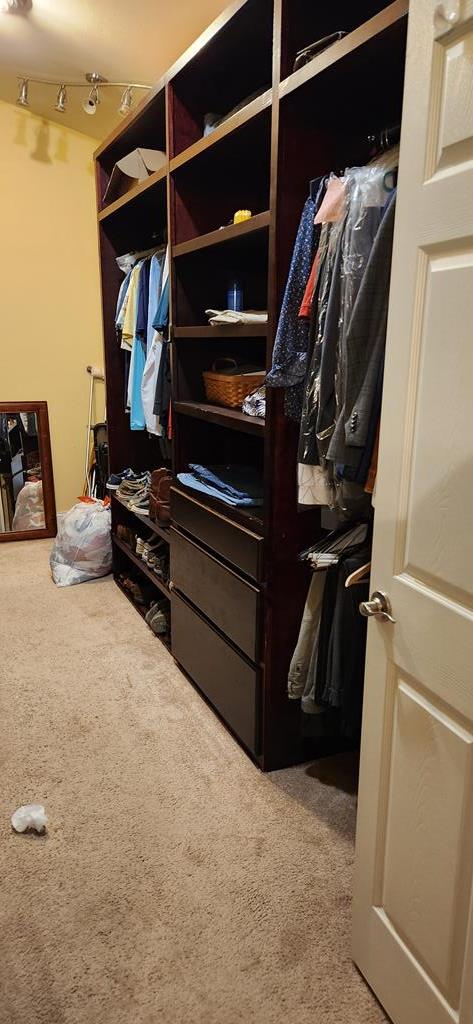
240,547
229,682
222,596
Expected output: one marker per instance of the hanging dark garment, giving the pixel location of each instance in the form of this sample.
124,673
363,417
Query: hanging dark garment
324,315
290,350
163,388
364,349
342,644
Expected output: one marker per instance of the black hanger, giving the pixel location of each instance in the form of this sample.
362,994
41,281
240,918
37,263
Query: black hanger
379,142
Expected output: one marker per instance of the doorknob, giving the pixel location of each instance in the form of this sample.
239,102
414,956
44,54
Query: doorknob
378,605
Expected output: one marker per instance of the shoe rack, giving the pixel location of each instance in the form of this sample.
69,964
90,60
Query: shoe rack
237,588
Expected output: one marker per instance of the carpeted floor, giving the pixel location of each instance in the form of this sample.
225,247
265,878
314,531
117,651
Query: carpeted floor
176,884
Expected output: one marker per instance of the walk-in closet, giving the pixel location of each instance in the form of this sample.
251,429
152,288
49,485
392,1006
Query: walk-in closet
237,584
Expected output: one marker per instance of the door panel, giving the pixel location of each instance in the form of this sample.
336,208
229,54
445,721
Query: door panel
431,761
440,503
412,932
455,125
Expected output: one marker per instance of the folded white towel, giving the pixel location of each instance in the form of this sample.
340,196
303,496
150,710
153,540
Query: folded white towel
232,316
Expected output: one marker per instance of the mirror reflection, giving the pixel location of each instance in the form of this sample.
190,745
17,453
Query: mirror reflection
21,484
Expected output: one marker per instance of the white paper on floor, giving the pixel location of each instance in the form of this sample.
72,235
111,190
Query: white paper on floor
30,816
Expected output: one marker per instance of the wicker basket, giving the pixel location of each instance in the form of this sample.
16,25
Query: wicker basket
230,389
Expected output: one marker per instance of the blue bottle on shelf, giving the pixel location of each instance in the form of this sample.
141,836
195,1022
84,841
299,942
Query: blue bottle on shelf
235,296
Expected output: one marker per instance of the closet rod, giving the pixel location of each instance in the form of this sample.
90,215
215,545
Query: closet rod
157,250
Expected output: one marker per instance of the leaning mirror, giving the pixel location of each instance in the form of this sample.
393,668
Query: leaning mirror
27,504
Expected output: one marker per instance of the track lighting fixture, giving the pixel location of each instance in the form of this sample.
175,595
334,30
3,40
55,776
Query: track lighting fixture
92,78
90,105
126,101
15,6
23,93
61,99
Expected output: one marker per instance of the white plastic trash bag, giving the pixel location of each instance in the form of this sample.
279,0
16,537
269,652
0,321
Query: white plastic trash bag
83,547
29,508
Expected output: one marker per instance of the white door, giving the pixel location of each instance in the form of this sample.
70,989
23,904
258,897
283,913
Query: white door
413,921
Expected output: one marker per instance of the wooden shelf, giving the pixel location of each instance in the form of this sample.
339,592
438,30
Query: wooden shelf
220,331
141,565
231,418
232,124
344,47
165,638
134,193
231,233
161,531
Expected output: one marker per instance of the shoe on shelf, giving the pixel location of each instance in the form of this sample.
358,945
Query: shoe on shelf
139,546
134,589
131,486
140,502
160,491
157,617
160,566
126,535
115,479
151,549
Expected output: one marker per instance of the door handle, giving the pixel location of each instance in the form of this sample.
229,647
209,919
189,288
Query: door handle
379,605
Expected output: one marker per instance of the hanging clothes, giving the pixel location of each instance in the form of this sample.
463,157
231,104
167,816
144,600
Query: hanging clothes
320,354
157,265
158,282
364,346
290,347
327,667
128,312
342,644
314,482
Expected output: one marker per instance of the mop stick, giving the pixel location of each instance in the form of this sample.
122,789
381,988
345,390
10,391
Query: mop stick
95,374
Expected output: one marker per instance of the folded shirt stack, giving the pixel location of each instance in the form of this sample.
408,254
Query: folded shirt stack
239,486
233,316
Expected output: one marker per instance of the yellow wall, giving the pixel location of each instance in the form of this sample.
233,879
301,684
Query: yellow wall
50,323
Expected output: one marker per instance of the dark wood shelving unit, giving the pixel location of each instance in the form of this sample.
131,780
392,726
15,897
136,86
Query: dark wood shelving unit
141,565
164,639
231,233
240,588
133,194
233,419
344,48
220,331
230,126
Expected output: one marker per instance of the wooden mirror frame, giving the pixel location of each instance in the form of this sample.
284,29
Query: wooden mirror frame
42,419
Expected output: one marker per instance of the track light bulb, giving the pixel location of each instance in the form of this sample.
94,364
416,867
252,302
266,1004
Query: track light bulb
61,99
23,93
126,101
15,6
89,105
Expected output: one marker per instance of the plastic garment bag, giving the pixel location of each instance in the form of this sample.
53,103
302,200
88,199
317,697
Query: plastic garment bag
350,243
313,480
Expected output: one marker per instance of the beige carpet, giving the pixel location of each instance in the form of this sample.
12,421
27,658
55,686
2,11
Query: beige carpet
177,884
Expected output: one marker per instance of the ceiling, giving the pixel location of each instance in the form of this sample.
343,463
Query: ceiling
63,39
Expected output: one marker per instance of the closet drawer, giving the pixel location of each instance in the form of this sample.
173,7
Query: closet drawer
237,545
222,596
229,682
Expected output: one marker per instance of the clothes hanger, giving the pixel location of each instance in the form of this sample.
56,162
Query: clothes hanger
359,575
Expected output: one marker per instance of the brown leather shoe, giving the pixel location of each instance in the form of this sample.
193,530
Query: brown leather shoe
160,493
